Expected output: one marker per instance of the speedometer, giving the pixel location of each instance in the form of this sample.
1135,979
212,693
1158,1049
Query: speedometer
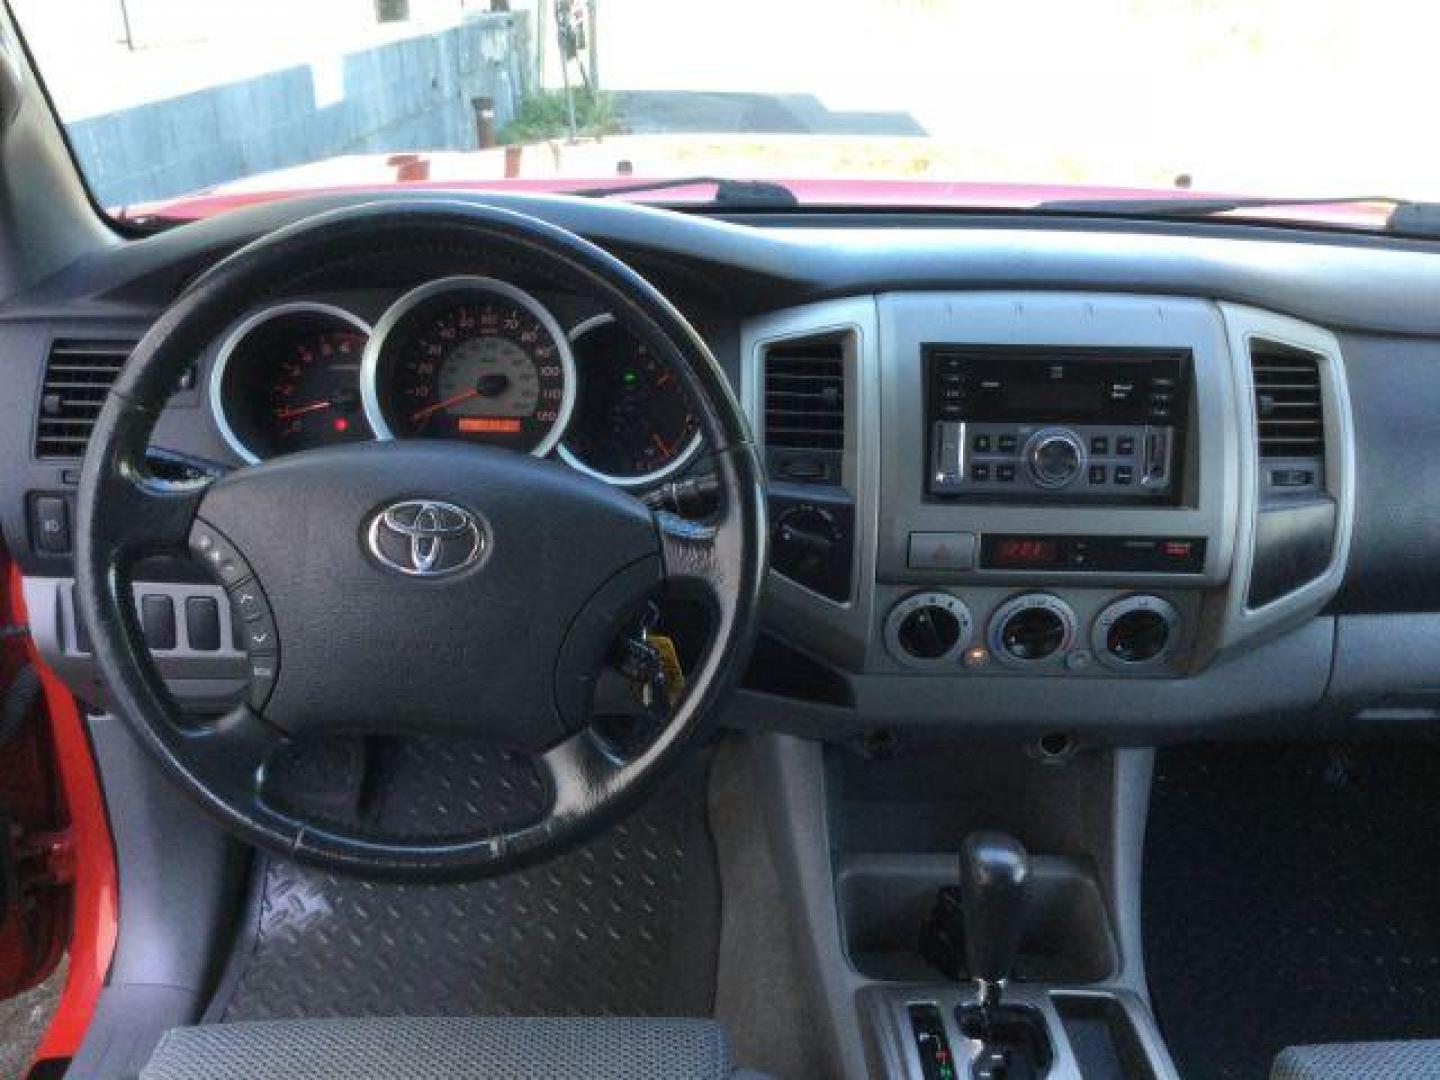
470,358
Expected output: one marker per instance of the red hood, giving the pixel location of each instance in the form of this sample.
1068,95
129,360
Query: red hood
506,169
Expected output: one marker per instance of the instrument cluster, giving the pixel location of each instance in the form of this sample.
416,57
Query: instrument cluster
465,357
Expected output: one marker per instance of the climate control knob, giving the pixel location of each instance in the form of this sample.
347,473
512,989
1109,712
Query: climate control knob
928,629
1054,457
1136,633
1033,629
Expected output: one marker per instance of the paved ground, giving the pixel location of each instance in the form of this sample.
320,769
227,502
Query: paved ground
649,112
22,1023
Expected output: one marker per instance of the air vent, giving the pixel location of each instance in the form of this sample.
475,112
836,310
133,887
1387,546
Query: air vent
78,376
805,396
1288,410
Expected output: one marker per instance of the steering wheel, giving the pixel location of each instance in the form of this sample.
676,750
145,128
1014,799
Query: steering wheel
549,565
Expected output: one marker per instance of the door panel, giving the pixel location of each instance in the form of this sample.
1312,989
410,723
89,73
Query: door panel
36,870
57,861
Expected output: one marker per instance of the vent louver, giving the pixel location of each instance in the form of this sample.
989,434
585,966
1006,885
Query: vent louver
1289,414
78,376
805,396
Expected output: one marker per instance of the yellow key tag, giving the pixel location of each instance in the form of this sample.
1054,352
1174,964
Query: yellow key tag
670,661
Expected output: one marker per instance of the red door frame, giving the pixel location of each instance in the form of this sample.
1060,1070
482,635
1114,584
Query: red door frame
95,919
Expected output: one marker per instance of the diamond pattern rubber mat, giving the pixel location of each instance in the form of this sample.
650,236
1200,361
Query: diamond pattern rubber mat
1290,898
427,787
626,924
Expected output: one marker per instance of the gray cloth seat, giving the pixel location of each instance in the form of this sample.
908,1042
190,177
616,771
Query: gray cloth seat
467,1048
1416,1059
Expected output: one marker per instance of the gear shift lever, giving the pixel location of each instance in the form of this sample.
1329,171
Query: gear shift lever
994,881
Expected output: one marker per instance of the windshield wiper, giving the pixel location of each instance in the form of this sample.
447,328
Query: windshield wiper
1203,206
1407,217
730,194
1415,219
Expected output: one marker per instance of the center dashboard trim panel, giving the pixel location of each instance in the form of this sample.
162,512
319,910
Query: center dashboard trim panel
1245,327
884,471
843,628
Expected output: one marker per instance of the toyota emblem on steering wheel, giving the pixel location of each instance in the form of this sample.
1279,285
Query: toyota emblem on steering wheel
426,538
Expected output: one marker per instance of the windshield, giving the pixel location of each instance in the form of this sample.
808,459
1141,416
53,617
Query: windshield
182,108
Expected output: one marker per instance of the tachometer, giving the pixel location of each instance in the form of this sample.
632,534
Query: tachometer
470,358
287,378
633,424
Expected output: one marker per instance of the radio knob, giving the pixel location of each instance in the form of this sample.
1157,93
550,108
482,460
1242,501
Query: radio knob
1054,457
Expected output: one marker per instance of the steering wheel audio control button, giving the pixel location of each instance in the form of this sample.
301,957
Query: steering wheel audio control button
249,602
257,629
252,622
219,555
259,634
264,670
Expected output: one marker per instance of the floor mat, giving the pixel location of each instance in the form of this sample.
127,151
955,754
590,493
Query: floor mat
627,924
1291,895
24,1019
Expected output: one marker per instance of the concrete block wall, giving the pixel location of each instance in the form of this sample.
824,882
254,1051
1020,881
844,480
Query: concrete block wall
410,94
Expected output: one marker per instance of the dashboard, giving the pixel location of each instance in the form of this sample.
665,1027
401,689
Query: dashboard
1117,481
462,357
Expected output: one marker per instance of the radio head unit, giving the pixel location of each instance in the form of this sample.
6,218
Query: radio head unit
1041,423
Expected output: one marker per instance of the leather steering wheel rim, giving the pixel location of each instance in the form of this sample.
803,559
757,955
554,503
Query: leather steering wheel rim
126,514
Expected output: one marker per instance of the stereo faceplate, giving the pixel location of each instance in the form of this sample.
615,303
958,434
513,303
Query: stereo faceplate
1055,422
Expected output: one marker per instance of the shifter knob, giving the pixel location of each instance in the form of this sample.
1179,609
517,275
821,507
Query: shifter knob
994,881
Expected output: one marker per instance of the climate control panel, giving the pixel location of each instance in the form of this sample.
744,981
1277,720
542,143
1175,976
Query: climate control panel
1084,632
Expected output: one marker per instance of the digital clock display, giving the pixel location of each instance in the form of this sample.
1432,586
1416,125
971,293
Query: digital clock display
1024,551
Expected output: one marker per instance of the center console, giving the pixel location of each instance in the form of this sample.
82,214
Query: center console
971,911
1034,517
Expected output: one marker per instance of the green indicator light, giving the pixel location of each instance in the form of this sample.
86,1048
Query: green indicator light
629,378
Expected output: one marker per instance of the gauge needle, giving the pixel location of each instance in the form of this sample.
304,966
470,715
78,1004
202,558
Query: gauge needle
464,395
300,410
661,443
